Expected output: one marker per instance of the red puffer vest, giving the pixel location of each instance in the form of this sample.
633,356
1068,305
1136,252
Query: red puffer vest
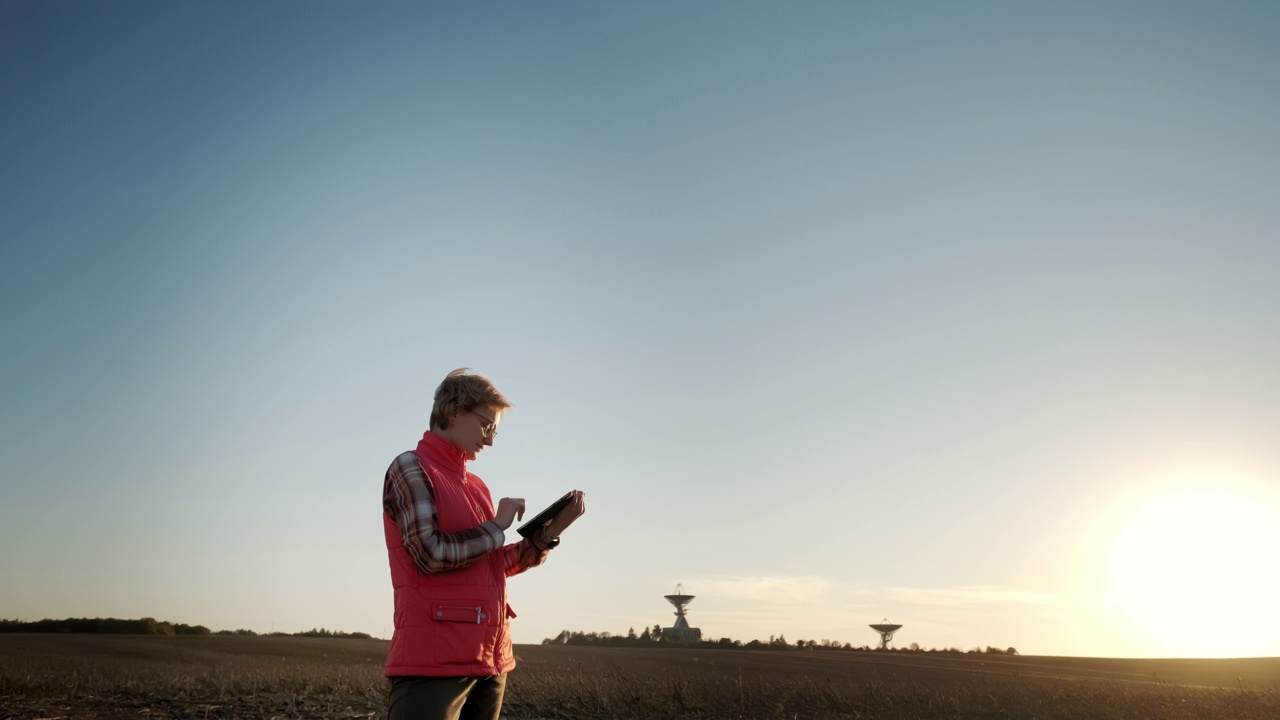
452,623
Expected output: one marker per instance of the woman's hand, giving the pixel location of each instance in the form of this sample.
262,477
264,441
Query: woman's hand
510,509
563,519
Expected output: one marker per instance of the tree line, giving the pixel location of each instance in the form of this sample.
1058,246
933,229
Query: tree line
150,626
653,637
143,626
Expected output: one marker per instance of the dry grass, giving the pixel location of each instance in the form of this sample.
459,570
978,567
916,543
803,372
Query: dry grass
99,676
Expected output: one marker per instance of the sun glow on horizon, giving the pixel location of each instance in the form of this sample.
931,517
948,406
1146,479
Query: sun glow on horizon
1190,567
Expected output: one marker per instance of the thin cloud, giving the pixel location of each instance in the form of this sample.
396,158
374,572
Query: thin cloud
969,595
803,589
764,589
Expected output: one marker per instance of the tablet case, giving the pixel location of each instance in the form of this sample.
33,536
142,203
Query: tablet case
537,521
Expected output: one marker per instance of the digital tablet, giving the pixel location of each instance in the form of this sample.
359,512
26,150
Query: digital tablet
537,521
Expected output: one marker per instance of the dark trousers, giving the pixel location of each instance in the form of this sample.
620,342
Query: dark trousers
447,698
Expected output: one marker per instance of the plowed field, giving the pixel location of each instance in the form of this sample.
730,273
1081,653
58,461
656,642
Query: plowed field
114,676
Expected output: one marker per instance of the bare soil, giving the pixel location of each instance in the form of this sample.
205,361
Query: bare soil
121,676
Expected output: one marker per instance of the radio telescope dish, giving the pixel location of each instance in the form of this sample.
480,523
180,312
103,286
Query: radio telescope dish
886,630
681,631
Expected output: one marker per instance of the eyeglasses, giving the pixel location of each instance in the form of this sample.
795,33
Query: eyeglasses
490,428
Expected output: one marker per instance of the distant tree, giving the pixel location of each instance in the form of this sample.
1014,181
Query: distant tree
631,634
558,639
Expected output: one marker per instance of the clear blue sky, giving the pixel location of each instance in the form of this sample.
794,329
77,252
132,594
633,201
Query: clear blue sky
962,314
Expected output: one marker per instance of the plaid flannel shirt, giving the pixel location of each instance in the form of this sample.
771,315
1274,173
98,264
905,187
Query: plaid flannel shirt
408,497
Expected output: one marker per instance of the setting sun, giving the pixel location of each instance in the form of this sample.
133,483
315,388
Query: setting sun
1191,568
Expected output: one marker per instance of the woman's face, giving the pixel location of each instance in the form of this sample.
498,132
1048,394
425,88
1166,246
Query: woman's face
474,430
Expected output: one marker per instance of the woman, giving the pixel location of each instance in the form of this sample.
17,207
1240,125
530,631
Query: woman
451,650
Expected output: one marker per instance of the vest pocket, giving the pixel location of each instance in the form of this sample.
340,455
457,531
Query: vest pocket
458,612
462,635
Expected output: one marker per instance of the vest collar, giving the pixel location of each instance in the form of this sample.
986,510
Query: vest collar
441,452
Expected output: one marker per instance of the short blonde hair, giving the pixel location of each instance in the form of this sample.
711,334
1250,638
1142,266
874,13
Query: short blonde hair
460,391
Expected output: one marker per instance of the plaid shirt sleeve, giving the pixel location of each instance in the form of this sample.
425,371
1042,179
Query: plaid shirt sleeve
521,556
408,498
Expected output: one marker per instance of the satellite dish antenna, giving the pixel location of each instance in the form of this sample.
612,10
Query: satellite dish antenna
886,630
680,600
